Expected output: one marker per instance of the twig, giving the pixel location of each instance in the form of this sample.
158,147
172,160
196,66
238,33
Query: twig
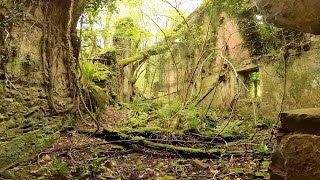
87,145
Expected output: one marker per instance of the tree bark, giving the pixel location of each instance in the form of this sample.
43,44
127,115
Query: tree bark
38,73
35,49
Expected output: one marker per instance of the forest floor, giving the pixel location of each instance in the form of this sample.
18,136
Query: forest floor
79,154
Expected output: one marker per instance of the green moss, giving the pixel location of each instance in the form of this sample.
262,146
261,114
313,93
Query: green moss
85,131
126,61
8,174
159,166
168,146
186,150
141,165
99,96
24,146
154,130
138,138
117,147
261,174
123,135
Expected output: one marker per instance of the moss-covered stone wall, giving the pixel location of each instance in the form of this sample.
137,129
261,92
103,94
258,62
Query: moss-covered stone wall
302,82
232,57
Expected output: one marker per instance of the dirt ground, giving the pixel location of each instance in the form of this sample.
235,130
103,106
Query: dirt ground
80,156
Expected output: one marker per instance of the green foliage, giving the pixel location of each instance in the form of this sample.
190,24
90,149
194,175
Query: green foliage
95,166
57,169
87,70
254,76
168,110
264,149
231,7
141,110
254,84
94,72
192,118
102,72
89,169
197,119
226,114
265,123
140,105
194,125
259,36
95,5
95,79
233,129
141,165
266,163
127,33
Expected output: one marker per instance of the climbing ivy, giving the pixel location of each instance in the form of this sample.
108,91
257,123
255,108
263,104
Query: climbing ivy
259,36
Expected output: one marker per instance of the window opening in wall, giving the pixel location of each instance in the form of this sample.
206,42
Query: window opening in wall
252,82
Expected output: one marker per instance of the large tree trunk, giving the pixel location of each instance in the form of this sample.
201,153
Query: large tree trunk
37,73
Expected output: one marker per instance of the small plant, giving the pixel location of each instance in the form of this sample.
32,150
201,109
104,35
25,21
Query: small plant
87,70
264,149
265,123
194,125
57,170
95,166
226,114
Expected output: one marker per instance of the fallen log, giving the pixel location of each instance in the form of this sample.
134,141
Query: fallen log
130,141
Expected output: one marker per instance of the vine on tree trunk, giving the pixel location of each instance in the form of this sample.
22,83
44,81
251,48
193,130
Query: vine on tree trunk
73,65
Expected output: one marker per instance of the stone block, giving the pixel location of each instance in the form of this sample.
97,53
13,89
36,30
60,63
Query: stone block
301,15
305,121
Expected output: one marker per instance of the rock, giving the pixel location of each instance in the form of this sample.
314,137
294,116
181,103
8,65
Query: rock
35,172
300,15
297,154
299,158
108,164
301,120
199,164
46,158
